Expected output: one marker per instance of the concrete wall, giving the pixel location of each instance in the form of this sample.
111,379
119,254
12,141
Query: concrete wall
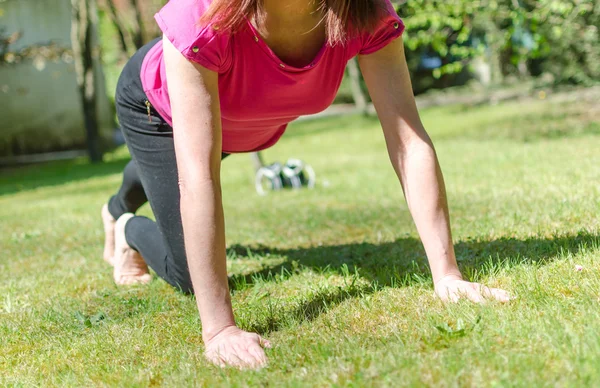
40,109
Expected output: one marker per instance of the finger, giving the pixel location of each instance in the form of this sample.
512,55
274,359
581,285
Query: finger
264,343
495,293
445,295
258,353
475,293
240,349
250,359
500,295
451,295
455,295
246,360
261,341
214,359
218,362
232,359
224,357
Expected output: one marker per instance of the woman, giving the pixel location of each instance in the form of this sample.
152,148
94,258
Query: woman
237,72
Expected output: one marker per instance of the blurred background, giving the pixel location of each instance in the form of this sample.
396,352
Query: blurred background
60,61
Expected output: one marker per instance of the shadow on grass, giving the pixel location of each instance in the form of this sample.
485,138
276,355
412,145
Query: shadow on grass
309,309
20,179
398,264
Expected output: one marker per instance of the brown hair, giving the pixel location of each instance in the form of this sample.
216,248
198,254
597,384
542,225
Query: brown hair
342,17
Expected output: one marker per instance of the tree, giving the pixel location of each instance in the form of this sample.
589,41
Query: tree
360,100
83,27
137,31
119,27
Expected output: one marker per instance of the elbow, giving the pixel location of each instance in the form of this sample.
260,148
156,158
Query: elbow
420,149
402,134
421,144
199,178
414,144
416,152
417,137
193,187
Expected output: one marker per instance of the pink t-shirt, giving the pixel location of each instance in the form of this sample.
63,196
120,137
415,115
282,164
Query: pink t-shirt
259,94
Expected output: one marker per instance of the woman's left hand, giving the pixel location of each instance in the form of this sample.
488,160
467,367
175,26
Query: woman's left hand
452,288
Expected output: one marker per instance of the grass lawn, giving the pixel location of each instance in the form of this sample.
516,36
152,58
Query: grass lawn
335,277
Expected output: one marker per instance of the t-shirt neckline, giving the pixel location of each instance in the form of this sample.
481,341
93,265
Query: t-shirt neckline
282,65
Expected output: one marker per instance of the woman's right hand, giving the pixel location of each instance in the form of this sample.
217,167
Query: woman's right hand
235,347
197,135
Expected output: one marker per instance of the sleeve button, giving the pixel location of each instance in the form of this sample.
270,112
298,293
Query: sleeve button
195,49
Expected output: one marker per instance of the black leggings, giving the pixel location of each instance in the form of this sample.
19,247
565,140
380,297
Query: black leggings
150,176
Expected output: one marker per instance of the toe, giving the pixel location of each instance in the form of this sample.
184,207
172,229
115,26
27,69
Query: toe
127,280
109,234
145,278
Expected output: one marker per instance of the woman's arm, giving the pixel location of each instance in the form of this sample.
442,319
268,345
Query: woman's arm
414,159
194,95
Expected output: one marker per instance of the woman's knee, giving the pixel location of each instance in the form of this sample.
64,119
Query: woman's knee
179,275
184,285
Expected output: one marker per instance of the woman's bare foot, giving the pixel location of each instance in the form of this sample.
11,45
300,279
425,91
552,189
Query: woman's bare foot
130,267
109,234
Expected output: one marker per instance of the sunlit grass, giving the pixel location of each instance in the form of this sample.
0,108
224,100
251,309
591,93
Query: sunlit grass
335,277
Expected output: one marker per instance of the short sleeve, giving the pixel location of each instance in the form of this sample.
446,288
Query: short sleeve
387,29
179,22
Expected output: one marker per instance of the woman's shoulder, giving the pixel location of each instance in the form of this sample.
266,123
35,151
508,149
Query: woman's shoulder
389,26
179,21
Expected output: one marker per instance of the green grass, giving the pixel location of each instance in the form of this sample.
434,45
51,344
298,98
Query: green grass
335,277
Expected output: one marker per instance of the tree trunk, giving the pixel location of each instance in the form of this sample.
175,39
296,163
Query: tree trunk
118,24
360,100
138,28
83,22
496,64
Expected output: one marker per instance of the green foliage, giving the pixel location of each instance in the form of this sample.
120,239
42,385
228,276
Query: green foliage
442,27
568,38
561,35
